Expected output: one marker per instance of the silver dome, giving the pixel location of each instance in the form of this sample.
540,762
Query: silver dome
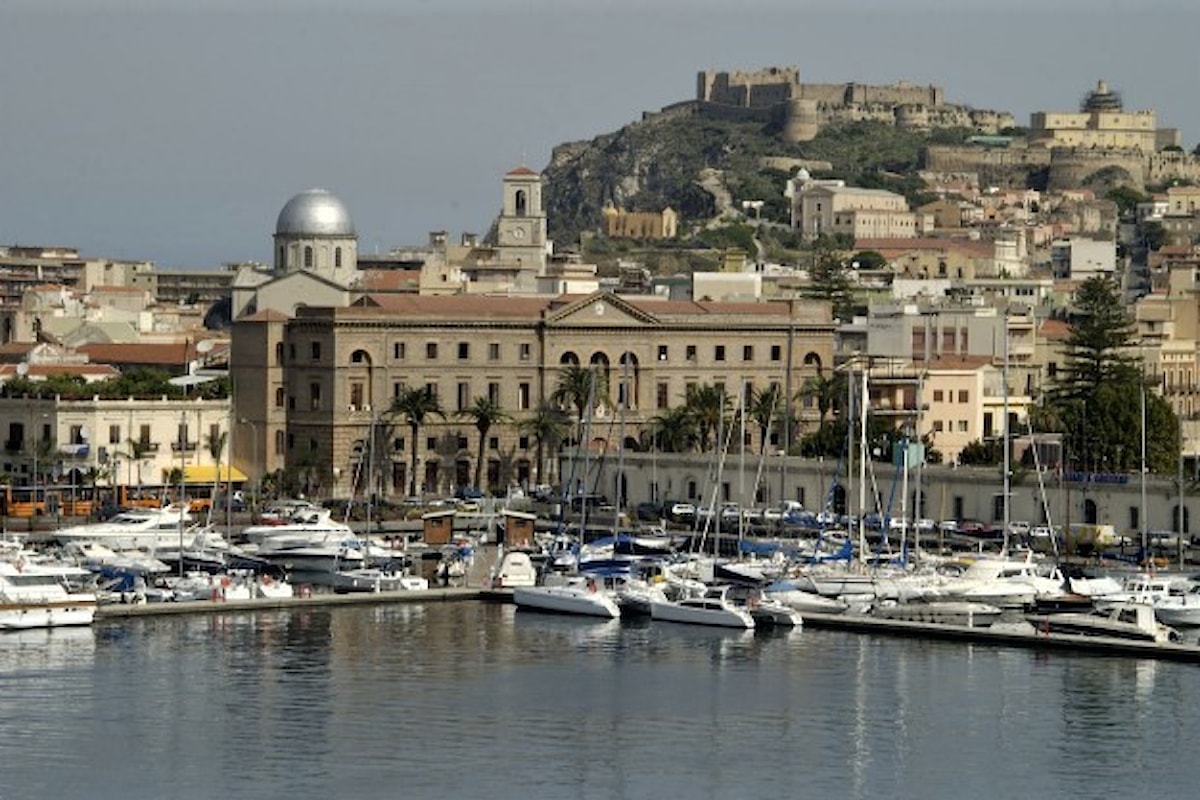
314,213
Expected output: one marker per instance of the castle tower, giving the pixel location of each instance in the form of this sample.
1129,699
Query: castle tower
521,228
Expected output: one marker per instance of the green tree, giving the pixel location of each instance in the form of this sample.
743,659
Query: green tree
1126,198
415,404
673,431
547,425
763,411
829,280
707,405
578,385
485,413
1096,403
826,391
1154,235
215,444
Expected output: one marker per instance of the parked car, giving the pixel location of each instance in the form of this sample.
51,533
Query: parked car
680,511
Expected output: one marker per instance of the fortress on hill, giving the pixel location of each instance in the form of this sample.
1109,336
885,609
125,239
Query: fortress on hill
802,109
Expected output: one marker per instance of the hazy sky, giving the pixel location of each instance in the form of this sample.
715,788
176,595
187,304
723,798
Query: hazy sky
175,130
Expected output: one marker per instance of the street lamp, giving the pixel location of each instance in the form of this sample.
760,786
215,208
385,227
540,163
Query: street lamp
253,462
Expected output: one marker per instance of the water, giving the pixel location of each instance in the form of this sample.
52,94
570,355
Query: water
472,700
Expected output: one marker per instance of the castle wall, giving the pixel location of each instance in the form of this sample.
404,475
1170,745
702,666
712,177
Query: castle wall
1071,167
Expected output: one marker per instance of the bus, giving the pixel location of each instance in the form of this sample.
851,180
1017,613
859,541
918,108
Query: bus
49,501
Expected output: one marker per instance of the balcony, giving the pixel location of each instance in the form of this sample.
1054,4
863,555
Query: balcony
14,447
181,447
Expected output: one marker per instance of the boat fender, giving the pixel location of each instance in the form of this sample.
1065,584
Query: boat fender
591,586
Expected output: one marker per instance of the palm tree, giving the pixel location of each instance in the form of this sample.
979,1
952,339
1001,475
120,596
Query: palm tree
707,404
577,385
216,448
485,412
827,391
415,404
135,453
763,407
547,426
674,430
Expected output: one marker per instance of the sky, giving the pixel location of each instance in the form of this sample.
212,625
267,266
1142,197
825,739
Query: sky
174,131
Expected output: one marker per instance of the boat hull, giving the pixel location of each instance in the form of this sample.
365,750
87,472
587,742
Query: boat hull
566,600
715,616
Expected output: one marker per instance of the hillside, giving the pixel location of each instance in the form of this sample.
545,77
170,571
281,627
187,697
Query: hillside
663,161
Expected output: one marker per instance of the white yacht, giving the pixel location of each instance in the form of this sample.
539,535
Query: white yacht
1121,621
37,596
577,594
714,607
312,525
136,528
1182,610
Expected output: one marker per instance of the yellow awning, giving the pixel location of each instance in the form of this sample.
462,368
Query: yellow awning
207,473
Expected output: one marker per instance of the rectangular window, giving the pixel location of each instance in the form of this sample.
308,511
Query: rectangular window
291,352
962,426
963,394
747,352
690,352
937,395
431,389
1135,518
398,350
114,434
144,435
397,387
719,353
523,442
316,351
776,352
463,398
662,395
214,432
494,351
938,427
431,350
464,351
493,443
494,392
314,392
662,352
463,444
356,395
291,402
523,396
76,434
431,443
525,352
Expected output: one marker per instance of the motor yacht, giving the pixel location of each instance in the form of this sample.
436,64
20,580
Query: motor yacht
714,607
1121,621
1182,610
136,528
34,595
575,594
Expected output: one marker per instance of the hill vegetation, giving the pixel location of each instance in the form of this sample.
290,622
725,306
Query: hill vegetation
671,160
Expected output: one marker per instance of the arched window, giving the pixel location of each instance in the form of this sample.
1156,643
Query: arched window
360,357
279,443
521,202
337,256
1090,514
308,256
628,382
812,360
569,359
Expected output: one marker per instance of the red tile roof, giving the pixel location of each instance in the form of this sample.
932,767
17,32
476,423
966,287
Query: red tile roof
168,353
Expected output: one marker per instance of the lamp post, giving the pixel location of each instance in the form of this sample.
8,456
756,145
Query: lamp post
183,507
253,462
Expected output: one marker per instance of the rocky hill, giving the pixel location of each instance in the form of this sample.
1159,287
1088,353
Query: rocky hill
674,160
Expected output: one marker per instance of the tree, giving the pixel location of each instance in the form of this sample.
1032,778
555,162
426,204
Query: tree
1097,401
577,386
829,280
485,413
547,426
763,408
1126,198
215,443
826,390
415,404
1154,235
674,430
706,405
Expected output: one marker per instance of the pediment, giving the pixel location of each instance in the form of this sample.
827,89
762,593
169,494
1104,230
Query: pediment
600,309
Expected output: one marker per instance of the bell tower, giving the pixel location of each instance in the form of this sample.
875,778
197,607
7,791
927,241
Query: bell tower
521,229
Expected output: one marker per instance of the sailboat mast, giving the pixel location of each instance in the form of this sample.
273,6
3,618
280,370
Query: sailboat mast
862,469
1142,515
1007,440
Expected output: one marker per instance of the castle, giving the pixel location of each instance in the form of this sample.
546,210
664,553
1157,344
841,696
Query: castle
802,109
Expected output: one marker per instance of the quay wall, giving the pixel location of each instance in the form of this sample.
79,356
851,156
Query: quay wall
947,492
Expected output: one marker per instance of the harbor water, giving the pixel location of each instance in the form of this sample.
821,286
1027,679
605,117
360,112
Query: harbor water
472,700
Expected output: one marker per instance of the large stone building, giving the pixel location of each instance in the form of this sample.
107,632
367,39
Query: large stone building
344,366
1101,122
824,208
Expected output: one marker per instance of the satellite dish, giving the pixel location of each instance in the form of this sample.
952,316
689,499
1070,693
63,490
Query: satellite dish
205,345
23,368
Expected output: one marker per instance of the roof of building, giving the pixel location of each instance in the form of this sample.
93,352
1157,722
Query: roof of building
165,353
521,170
315,212
893,248
36,371
390,280
1055,329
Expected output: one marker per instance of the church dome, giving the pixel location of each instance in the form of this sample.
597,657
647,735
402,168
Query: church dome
314,213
